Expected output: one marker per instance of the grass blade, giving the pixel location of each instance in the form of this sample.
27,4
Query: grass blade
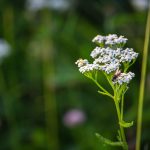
142,83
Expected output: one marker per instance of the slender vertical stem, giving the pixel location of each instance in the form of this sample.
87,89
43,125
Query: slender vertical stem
50,101
142,83
8,34
109,80
48,87
125,146
122,106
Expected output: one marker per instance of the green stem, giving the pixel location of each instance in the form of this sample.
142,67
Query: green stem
122,105
105,91
125,146
49,95
108,79
142,83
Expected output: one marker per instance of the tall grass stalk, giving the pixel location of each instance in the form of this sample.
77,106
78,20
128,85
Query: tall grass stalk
142,83
7,86
48,87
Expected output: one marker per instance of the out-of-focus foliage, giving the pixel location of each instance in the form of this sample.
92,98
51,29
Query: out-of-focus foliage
39,82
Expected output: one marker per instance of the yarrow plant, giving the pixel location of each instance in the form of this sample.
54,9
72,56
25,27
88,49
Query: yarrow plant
113,60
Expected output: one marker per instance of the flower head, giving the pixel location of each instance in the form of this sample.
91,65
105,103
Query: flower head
81,62
98,39
128,55
89,67
113,39
124,78
109,56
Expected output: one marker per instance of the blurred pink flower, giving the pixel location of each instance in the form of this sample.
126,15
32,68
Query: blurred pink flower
74,117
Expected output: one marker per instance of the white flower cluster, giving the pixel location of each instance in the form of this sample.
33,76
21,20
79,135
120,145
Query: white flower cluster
81,62
109,59
98,39
84,65
111,67
111,39
89,67
128,55
108,55
98,51
124,78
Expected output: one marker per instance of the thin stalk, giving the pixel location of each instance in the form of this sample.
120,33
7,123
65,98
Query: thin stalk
106,92
7,102
103,93
50,103
110,82
125,146
142,83
122,106
9,95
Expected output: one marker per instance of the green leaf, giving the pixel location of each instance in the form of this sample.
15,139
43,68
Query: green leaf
104,93
126,124
107,141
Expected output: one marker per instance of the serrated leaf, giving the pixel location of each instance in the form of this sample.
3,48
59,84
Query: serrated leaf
107,141
126,124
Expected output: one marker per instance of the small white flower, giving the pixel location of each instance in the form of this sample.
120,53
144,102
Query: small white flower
113,39
81,62
110,39
124,78
108,57
108,68
88,68
97,51
128,55
111,36
120,40
104,59
99,39
116,52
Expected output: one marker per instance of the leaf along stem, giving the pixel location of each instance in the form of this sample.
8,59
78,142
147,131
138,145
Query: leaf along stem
107,141
105,92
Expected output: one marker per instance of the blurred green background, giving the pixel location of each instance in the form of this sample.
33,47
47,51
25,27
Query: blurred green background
41,89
